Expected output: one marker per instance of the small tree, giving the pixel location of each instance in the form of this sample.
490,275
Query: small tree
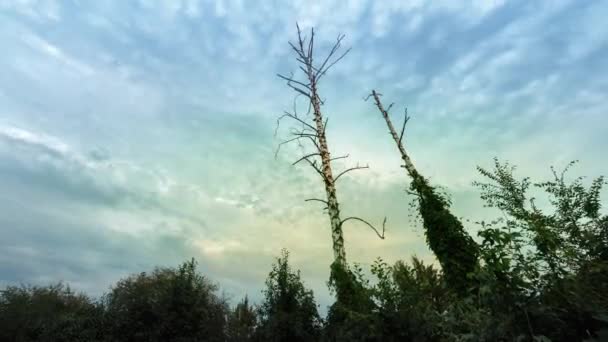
549,264
167,304
289,311
242,322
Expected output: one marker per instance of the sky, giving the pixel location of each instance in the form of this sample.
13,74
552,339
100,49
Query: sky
136,134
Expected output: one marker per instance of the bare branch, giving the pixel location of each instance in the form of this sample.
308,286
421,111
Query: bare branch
314,142
295,117
297,138
405,120
297,50
305,157
319,200
340,157
315,199
332,51
316,168
350,169
303,134
299,90
292,80
310,45
332,64
381,236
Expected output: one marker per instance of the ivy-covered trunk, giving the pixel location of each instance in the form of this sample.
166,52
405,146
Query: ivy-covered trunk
455,249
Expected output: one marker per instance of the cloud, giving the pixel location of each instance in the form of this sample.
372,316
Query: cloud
143,130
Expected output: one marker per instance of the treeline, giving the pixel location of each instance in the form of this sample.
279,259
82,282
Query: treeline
541,276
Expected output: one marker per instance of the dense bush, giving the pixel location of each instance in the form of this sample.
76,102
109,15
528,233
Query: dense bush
166,305
49,313
242,322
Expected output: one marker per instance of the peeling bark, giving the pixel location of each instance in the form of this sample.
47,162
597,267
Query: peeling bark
333,208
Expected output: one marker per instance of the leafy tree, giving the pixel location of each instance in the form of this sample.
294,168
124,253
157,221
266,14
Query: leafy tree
544,272
167,304
289,311
49,313
242,322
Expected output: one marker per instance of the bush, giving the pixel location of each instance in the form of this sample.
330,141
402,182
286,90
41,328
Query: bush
50,313
166,305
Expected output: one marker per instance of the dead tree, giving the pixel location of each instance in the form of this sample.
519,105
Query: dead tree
455,249
311,131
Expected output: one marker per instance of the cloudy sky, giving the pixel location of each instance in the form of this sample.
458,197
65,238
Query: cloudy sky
141,133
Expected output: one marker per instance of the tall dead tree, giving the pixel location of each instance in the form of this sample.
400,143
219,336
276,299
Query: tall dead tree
312,133
455,249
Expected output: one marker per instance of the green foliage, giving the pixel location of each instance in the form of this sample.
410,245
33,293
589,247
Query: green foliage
241,322
289,311
167,304
410,299
574,233
352,317
455,249
541,275
50,313
543,271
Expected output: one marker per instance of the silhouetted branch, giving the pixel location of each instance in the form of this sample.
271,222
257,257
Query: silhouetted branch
381,236
306,156
292,80
340,157
314,165
318,200
349,170
276,153
405,120
295,117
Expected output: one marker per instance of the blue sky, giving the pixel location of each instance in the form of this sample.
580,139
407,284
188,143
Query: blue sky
141,133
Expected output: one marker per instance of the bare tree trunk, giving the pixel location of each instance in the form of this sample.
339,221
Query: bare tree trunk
408,165
333,208
314,133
